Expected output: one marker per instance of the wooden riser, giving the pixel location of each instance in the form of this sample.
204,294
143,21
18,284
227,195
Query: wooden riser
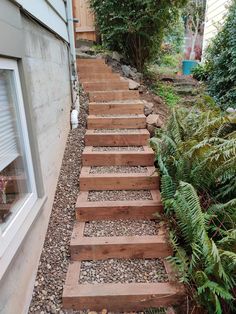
90,62
118,158
120,181
122,247
118,297
116,108
94,69
107,86
122,122
113,95
114,210
110,80
116,139
98,76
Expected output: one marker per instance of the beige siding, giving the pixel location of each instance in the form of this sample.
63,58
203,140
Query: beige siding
216,11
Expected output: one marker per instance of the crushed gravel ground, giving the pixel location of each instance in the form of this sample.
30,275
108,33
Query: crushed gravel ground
47,294
117,148
120,228
118,169
123,195
122,271
116,130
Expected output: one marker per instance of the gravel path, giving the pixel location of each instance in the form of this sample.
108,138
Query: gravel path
118,169
116,228
116,130
47,294
123,271
117,148
124,195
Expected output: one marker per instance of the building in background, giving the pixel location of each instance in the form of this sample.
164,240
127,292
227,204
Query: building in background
37,57
216,11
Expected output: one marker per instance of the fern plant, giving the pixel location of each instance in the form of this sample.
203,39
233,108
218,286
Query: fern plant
196,157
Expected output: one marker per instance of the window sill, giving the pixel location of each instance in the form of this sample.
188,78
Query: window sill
20,235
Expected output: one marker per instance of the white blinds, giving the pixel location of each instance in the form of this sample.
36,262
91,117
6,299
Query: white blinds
8,137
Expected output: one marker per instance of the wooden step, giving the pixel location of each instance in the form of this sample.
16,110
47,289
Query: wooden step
117,107
90,62
118,181
117,122
105,86
118,297
118,158
113,210
84,248
106,96
110,80
94,69
98,76
138,138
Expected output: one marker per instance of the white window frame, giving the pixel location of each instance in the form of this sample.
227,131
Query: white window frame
12,236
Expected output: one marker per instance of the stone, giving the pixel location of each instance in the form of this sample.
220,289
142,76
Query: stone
85,49
154,119
142,89
230,110
158,99
148,108
132,84
116,56
126,70
151,129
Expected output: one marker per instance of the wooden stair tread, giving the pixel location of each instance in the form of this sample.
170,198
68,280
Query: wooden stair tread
113,95
116,157
116,122
112,210
138,137
118,247
118,296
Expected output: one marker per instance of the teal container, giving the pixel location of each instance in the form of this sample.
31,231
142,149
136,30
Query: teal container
188,65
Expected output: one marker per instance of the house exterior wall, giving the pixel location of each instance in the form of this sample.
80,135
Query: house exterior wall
215,14
51,13
44,70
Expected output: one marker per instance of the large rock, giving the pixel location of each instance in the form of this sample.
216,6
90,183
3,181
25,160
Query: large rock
132,84
230,110
158,99
154,120
126,70
148,108
116,56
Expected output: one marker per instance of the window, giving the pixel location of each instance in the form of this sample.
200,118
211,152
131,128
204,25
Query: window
17,181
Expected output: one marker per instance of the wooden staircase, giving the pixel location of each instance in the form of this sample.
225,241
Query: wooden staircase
116,139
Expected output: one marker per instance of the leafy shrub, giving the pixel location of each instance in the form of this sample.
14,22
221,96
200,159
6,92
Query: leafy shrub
200,72
135,28
196,156
221,56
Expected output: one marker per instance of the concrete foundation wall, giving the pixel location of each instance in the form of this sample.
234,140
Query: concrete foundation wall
47,80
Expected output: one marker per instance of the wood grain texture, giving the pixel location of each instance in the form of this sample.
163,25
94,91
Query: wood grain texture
121,297
139,138
128,107
113,95
125,122
117,158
